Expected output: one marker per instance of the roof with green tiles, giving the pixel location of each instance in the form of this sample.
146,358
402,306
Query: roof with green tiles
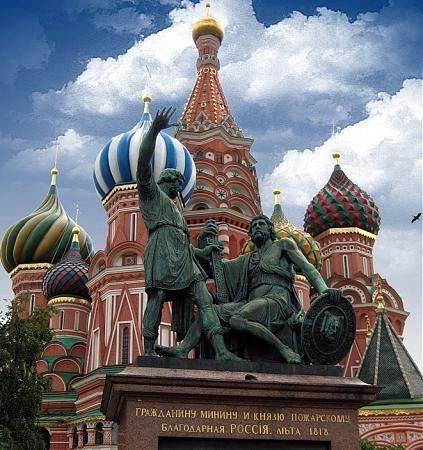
387,363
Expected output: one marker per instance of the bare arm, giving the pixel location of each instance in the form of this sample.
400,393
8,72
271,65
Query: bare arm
300,261
160,122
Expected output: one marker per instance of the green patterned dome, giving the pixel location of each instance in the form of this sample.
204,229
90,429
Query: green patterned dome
341,204
44,236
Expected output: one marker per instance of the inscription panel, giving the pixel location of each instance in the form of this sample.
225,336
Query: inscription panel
242,422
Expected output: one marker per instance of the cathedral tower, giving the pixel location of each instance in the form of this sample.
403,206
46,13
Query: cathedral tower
345,221
227,188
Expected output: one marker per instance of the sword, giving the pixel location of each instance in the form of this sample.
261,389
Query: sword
222,293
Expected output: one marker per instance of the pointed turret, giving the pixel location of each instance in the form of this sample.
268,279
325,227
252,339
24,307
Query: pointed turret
387,362
207,107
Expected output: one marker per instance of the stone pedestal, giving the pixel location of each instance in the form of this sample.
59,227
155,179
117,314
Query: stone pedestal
180,405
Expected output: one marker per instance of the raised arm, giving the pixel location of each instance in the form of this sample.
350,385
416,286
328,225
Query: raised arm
160,122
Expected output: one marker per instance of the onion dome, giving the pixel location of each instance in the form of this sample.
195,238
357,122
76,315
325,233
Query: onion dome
117,163
42,237
69,276
339,204
308,246
207,25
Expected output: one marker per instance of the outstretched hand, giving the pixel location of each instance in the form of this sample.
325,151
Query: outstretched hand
162,118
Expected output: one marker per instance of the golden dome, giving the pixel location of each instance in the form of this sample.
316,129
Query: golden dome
207,25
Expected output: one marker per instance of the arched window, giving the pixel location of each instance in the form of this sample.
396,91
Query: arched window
365,266
74,438
99,434
62,319
84,435
125,346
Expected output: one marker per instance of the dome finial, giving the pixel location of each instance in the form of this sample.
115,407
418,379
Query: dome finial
368,326
336,155
207,25
75,234
276,193
54,172
146,98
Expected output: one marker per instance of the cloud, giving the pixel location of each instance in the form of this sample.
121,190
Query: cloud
75,157
125,20
320,67
381,153
23,47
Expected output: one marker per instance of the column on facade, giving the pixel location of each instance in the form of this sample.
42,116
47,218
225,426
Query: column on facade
107,433
91,433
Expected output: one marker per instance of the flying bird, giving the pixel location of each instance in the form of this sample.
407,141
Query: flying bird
416,217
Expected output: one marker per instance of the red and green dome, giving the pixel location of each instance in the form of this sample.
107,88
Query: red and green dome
341,204
68,278
44,236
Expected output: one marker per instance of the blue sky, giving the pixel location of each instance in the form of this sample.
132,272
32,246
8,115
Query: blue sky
73,71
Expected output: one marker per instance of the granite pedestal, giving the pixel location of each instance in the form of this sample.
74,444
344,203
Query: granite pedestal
174,404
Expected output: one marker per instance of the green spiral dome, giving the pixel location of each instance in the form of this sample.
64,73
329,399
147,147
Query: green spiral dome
43,236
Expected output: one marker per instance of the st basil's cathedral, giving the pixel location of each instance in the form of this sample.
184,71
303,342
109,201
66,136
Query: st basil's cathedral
99,298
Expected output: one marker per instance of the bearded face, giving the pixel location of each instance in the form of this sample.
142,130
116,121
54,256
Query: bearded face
260,232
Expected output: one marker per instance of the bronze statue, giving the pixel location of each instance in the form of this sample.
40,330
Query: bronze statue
263,302
172,270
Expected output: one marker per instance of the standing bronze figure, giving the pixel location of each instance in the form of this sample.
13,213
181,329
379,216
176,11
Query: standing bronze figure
172,269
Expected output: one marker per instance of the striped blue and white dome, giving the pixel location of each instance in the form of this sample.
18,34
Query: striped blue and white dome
117,163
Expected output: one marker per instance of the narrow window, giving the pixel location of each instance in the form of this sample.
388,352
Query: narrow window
346,266
113,230
133,227
328,274
76,324
61,319
31,304
125,346
96,344
365,266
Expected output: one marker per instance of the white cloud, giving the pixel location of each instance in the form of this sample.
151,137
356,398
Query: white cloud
75,156
324,60
125,20
381,153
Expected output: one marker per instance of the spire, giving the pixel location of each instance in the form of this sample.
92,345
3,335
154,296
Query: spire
278,217
207,106
386,362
